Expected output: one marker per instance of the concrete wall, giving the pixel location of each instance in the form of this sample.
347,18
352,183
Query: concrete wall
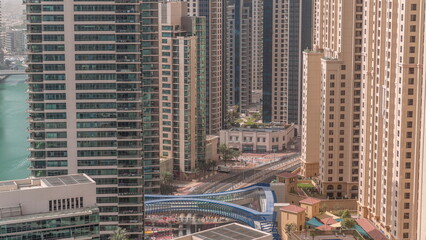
212,143
339,204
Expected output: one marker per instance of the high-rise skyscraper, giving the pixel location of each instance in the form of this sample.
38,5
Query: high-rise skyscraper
257,52
286,33
392,145
115,86
243,52
183,86
212,11
85,101
336,60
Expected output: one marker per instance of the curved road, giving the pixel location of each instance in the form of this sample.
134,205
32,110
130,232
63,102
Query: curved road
249,176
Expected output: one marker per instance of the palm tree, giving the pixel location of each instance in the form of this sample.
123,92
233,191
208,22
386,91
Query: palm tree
204,167
290,227
212,165
119,234
313,234
228,153
166,178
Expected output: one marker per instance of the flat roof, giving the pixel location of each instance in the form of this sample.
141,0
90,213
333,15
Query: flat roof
257,129
49,215
32,183
233,231
66,180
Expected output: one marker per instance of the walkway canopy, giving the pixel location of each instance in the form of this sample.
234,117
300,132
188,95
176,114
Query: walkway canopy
361,231
314,223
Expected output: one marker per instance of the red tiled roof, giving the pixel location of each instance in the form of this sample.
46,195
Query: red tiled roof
292,208
371,230
287,175
310,201
328,221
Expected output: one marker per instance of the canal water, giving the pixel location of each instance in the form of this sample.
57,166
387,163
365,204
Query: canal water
13,128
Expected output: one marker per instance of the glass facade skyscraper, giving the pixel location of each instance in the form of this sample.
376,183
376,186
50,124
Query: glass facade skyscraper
115,88
85,113
286,35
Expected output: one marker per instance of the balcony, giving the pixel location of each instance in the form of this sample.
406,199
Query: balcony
129,193
37,138
129,212
126,10
129,175
128,184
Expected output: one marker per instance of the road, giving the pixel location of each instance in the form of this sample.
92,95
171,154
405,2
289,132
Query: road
250,176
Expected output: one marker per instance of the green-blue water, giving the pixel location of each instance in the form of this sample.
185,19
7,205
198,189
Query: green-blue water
13,129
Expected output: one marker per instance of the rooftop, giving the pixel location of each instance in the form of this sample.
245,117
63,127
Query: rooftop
328,221
32,183
269,130
233,231
370,229
310,201
49,215
292,209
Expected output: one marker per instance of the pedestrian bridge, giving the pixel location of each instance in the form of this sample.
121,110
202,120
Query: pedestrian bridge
257,212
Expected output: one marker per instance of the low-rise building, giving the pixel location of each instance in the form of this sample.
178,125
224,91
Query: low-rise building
288,188
212,142
60,207
293,215
312,206
259,140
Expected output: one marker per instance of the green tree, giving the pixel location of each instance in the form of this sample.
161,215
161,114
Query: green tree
256,116
227,154
203,167
346,214
290,227
166,178
166,187
348,223
197,171
232,117
212,165
313,234
119,234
